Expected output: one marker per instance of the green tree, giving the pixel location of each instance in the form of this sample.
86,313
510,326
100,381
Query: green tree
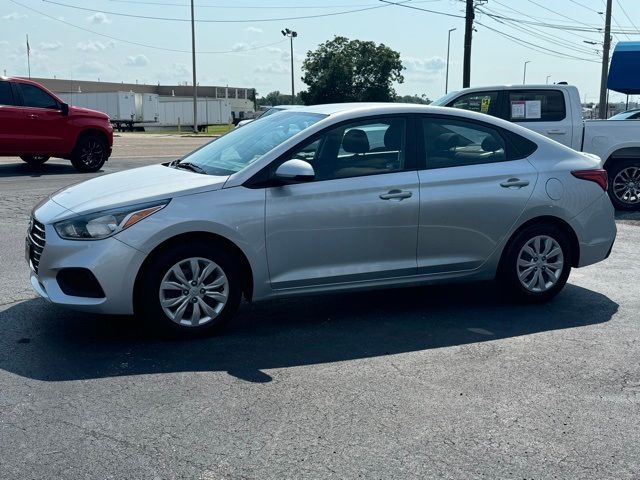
423,99
277,98
343,70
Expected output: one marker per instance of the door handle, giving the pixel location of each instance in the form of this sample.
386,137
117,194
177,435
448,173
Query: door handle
32,115
557,132
515,182
395,195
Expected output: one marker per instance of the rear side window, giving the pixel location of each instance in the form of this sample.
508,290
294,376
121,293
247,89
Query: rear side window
451,142
481,102
35,97
536,106
6,95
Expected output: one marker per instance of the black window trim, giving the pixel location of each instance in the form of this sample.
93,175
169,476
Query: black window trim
264,179
512,152
12,92
507,104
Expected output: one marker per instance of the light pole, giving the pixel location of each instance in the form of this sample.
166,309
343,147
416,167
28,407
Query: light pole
547,82
446,78
524,75
291,34
193,60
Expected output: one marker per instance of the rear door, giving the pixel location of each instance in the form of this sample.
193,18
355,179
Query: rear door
44,125
11,116
543,111
473,187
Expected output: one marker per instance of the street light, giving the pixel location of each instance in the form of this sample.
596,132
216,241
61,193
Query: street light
547,82
291,34
446,80
524,75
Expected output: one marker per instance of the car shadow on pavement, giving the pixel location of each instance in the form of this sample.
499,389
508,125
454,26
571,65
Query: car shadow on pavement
44,342
21,169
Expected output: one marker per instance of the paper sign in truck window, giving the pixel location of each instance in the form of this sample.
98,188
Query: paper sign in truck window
518,109
484,106
534,109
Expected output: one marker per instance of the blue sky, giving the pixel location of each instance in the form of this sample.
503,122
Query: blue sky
259,55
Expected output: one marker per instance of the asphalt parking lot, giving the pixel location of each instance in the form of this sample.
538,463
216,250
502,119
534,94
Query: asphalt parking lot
438,382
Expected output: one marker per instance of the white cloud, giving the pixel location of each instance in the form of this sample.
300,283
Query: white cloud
254,30
14,16
91,67
4,43
95,46
49,45
98,18
136,61
240,47
430,65
274,50
272,68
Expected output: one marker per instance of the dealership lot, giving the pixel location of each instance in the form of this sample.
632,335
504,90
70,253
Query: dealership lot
453,382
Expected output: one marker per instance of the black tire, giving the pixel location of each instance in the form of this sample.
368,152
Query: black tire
613,172
509,273
34,160
148,294
90,153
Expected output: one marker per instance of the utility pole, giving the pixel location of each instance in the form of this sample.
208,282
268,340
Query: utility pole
468,34
291,34
524,75
193,60
604,107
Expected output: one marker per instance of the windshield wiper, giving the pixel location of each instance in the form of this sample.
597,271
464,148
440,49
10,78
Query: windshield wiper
190,166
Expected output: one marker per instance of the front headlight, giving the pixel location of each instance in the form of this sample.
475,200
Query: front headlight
99,225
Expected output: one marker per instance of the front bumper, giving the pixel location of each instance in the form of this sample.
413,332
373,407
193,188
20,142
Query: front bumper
114,264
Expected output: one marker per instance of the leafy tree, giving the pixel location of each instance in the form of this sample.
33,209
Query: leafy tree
343,70
423,99
277,98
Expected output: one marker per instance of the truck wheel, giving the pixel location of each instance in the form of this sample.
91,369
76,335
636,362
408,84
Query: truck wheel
624,184
90,153
34,160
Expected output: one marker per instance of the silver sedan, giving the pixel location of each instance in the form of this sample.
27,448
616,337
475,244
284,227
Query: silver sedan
321,199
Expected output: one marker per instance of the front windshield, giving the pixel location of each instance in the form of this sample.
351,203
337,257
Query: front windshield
442,101
243,146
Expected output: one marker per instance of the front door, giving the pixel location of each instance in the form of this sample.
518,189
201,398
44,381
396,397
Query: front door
44,124
358,220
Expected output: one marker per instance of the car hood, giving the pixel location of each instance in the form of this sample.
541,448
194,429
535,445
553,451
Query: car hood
86,112
138,185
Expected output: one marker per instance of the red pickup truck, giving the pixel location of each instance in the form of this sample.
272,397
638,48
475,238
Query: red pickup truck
36,125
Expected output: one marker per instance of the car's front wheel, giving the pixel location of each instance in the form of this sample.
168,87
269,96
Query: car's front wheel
191,288
90,153
537,263
34,160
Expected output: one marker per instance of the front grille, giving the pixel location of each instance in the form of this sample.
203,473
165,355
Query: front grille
37,240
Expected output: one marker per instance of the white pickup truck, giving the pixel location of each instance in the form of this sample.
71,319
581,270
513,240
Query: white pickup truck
555,112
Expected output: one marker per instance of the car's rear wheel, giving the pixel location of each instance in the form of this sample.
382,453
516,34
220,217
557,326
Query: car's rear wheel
191,289
90,153
537,263
624,184
34,160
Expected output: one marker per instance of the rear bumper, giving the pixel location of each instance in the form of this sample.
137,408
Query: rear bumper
596,230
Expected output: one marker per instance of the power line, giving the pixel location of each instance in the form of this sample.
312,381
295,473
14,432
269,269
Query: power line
533,46
246,7
584,6
119,39
254,20
627,15
617,24
401,4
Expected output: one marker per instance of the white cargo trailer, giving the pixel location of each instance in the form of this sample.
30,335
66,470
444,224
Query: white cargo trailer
174,111
147,107
120,106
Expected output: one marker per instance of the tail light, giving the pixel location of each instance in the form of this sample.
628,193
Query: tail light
598,175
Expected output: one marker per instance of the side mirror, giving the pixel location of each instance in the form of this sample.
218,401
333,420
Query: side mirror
64,109
295,171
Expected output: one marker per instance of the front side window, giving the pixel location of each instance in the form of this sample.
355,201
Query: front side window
33,96
6,95
454,143
481,102
242,147
536,105
356,149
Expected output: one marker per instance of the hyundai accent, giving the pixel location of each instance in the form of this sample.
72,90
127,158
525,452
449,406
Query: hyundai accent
320,199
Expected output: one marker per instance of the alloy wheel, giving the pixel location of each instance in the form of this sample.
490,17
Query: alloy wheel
626,185
194,291
91,154
540,264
